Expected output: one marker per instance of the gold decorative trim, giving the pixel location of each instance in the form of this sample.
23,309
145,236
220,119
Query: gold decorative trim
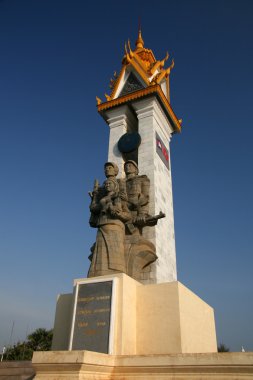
121,74
155,89
140,71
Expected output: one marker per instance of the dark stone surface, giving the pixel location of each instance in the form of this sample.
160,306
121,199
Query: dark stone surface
92,317
129,142
132,84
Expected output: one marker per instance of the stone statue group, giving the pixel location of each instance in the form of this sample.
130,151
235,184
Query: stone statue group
119,210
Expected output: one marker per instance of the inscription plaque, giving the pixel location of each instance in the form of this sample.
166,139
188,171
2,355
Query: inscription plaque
92,314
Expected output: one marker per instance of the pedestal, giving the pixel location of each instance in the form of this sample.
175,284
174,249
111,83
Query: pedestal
144,319
161,331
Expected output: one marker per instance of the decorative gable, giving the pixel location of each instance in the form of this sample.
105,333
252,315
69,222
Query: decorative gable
132,84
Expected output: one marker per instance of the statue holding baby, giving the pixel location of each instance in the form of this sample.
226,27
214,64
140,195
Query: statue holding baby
119,211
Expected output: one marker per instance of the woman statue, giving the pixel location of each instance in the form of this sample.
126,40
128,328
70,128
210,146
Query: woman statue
110,213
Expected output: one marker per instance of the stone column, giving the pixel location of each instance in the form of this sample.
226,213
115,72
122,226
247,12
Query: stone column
120,121
152,120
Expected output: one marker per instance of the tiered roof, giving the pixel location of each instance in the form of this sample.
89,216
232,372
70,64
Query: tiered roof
141,75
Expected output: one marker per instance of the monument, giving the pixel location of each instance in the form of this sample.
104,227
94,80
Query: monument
141,121
131,318
133,260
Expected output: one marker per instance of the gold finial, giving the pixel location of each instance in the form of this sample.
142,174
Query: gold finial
99,101
171,66
165,59
131,54
139,42
108,98
127,57
112,82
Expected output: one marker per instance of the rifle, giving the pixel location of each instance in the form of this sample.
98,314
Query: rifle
149,221
152,220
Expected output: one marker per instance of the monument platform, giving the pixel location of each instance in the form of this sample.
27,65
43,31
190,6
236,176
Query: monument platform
85,365
140,319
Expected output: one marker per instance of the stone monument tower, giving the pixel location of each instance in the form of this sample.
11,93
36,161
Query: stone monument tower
141,121
130,318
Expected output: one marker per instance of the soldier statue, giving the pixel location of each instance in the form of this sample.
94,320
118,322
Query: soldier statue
120,211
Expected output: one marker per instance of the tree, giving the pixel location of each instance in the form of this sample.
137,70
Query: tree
223,348
19,351
39,340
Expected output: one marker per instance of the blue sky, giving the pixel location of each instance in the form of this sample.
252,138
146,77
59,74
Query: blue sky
56,56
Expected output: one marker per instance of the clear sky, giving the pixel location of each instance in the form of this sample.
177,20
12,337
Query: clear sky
55,57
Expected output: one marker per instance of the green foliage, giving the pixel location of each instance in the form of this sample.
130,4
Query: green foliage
20,351
39,340
223,348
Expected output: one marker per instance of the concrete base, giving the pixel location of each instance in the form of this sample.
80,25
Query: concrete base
85,365
162,318
16,370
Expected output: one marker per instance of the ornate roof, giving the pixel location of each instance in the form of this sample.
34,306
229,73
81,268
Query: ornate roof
141,74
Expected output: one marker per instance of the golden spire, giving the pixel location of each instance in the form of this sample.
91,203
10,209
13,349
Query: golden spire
139,42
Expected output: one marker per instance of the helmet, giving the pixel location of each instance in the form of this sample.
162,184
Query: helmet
134,163
115,166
